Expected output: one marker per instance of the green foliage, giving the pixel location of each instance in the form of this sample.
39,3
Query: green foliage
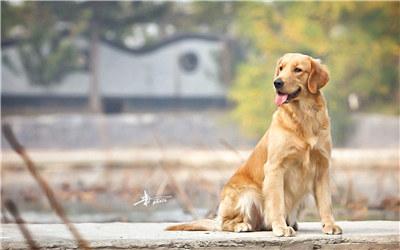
45,55
253,94
358,41
47,62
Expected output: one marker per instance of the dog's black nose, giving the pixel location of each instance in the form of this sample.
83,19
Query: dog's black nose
278,83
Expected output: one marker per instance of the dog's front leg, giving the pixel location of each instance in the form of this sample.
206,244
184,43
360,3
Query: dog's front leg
274,206
322,194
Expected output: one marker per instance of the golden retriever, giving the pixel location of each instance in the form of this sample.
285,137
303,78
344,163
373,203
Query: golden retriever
291,159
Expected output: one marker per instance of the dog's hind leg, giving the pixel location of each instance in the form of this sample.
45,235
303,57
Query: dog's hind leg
243,213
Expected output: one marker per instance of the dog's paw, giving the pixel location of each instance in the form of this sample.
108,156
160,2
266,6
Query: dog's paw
283,231
242,227
331,229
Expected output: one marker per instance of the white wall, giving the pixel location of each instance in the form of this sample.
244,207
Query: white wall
121,73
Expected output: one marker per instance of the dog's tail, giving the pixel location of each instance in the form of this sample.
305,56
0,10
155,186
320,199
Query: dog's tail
197,225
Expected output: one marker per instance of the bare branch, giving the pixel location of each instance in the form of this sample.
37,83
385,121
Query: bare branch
12,208
55,205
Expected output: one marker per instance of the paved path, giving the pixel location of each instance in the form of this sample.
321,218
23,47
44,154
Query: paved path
357,235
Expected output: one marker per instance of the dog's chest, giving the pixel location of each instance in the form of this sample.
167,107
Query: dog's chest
301,174
313,134
312,141
311,154
299,180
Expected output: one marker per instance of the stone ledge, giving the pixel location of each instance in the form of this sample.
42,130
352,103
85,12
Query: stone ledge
357,235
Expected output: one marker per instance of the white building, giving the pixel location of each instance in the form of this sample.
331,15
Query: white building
184,67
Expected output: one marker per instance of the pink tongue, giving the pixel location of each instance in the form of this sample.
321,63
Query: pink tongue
280,99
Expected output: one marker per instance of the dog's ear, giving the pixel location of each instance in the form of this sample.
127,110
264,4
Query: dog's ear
319,76
277,67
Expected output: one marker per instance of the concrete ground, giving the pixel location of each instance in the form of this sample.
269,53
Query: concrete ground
357,235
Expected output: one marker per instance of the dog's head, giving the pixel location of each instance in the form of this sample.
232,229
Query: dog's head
298,76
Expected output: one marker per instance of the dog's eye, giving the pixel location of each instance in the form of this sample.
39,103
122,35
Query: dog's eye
297,70
280,68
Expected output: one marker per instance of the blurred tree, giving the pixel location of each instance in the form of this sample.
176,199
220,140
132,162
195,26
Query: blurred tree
45,55
49,51
358,41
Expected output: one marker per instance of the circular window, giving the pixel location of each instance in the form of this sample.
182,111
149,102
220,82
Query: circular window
188,61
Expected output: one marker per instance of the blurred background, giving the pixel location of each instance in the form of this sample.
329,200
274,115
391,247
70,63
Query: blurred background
111,99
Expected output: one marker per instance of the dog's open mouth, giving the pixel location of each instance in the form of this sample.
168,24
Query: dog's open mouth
282,98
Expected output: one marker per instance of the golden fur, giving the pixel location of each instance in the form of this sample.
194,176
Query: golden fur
291,160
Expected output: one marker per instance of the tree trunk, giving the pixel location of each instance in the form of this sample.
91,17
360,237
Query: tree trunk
94,88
